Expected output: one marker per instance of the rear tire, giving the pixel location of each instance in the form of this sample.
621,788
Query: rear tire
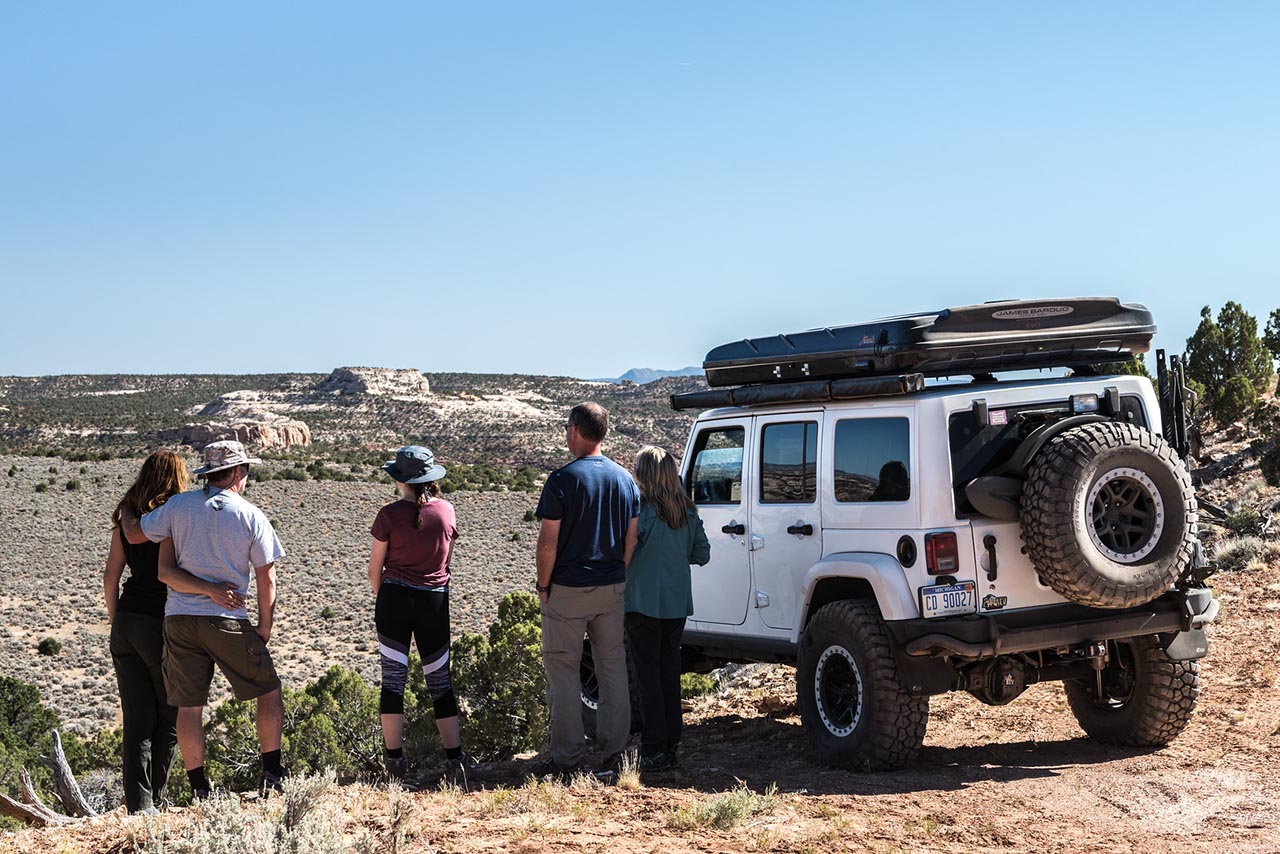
855,711
1147,698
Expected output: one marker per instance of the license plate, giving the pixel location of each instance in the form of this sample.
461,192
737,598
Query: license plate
945,600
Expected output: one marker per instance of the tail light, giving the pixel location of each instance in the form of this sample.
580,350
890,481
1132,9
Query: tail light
941,553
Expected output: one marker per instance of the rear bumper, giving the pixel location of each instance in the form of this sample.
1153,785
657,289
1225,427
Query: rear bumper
989,635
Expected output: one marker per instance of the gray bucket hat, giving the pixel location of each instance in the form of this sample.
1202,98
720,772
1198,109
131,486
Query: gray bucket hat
224,455
414,464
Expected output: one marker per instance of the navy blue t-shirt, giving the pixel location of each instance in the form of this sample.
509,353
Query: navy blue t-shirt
595,500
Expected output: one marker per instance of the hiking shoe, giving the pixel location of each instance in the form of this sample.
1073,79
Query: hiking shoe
609,770
548,770
662,761
458,771
272,782
396,768
200,795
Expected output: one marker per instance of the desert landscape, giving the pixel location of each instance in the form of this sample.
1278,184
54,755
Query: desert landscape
1020,777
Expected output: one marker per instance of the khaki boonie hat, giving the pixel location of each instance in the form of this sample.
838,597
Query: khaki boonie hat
224,455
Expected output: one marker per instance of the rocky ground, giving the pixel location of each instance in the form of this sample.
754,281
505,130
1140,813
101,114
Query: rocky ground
1019,778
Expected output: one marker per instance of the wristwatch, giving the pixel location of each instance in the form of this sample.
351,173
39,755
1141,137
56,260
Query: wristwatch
542,589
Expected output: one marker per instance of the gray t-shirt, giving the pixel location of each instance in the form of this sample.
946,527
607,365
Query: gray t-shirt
218,536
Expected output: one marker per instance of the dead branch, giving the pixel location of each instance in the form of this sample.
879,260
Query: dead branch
31,810
65,782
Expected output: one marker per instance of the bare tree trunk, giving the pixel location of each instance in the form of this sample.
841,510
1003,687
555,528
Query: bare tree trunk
30,810
68,789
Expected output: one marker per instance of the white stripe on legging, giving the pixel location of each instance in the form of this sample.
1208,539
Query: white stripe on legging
393,654
437,664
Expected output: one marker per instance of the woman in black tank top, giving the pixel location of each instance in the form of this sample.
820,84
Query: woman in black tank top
137,636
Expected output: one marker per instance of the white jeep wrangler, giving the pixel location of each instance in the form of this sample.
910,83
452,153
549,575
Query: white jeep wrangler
895,539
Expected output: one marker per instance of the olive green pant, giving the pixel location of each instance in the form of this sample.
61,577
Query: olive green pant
568,614
150,738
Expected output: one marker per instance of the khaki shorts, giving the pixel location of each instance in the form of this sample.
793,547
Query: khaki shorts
192,645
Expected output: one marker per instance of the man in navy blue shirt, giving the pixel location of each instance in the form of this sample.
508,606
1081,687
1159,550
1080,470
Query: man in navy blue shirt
589,512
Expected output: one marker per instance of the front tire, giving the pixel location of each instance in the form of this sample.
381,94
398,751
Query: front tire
1147,698
855,711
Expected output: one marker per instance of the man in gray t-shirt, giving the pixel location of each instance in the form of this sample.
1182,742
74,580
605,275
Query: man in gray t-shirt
212,541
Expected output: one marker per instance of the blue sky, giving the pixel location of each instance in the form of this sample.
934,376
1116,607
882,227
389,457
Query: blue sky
579,189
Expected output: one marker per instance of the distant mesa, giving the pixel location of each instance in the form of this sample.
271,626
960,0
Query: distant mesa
640,376
383,382
259,435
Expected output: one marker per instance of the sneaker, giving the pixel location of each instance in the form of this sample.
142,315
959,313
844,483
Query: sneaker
609,768
200,795
272,782
549,770
396,768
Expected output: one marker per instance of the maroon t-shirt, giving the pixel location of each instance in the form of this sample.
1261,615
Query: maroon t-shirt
417,556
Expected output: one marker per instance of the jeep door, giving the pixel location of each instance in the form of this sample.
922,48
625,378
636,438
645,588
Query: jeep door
716,467
786,522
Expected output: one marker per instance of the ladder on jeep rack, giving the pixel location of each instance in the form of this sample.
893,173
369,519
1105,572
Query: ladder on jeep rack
1171,386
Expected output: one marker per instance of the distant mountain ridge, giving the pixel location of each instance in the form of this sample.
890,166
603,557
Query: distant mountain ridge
640,376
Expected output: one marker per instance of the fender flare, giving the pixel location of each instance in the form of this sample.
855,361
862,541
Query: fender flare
882,573
1021,460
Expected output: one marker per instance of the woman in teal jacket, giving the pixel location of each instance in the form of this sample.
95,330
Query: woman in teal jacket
659,596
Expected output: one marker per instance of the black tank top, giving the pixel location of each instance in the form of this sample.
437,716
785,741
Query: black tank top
143,593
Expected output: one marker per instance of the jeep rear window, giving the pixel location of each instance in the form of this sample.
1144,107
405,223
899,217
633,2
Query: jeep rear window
978,451
789,463
872,460
716,474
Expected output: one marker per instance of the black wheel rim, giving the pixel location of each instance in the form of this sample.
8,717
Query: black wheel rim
1126,515
838,688
590,686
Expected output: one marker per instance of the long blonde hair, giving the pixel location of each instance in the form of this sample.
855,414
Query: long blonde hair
660,486
164,474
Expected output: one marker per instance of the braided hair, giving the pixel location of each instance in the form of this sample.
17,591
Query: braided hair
421,493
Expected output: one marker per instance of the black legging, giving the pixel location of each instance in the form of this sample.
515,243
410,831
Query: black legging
655,652
403,613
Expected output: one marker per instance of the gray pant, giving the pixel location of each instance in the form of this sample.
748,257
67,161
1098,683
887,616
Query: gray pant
568,614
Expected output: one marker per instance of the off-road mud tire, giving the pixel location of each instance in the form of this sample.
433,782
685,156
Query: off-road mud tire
1159,702
1057,515
888,724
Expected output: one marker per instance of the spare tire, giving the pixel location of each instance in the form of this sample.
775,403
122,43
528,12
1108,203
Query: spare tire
1108,515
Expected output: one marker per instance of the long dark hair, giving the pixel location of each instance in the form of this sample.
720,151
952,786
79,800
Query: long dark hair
164,474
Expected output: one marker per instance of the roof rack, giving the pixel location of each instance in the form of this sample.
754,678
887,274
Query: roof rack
813,391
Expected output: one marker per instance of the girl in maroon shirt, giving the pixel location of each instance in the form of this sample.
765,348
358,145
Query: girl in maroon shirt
409,572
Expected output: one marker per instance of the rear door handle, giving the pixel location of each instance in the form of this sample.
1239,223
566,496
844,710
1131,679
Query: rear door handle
801,530
732,528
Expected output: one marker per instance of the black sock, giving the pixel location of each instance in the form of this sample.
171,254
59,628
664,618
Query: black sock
198,781
395,752
453,752
271,763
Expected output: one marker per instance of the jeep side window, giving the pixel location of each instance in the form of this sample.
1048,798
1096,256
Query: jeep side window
716,474
872,460
789,463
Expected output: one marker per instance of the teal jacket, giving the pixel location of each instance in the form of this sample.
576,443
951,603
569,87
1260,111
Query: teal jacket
658,581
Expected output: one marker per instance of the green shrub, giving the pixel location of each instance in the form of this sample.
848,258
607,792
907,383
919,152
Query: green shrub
1270,464
49,646
42,487
1245,521
1236,400
530,516
697,684
291,474
1236,552
53,469
500,681
73,486
328,613
13,471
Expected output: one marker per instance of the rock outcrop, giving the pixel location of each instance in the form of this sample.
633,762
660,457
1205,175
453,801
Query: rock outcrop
259,435
383,382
